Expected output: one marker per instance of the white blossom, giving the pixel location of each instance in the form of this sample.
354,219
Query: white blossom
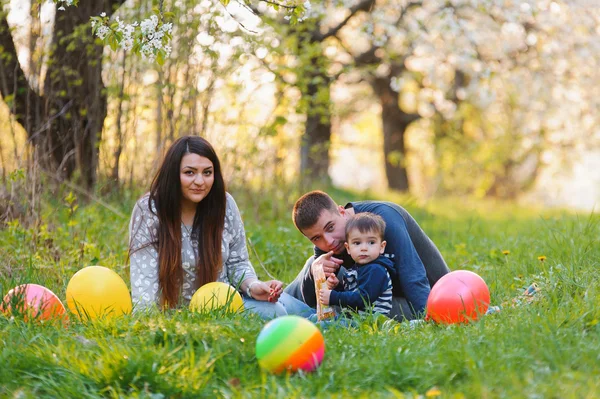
102,31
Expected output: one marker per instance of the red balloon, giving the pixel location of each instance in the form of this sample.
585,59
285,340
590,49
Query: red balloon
33,301
458,297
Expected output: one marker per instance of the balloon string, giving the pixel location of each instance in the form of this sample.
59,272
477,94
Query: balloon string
259,261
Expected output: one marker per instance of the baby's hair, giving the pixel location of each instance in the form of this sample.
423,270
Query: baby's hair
366,222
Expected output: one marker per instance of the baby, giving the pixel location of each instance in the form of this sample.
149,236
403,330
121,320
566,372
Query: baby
368,282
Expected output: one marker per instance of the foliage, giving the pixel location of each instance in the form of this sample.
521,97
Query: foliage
152,37
507,81
445,57
546,349
495,80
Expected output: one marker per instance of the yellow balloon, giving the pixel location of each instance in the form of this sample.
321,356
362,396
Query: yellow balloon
216,295
96,291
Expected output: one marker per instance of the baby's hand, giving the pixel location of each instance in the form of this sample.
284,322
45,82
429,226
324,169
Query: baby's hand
324,296
332,281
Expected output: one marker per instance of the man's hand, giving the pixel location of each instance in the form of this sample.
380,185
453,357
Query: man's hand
332,281
324,296
329,263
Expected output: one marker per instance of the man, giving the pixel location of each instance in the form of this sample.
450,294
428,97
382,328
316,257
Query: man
418,264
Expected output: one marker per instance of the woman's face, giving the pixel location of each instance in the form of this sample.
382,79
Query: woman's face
197,176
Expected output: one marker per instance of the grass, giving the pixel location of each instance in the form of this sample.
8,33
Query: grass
547,349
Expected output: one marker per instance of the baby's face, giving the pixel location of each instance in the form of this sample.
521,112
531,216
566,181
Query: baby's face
364,247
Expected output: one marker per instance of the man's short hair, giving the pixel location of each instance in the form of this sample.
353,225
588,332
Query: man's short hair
366,222
309,207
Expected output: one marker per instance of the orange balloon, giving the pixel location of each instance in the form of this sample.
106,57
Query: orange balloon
33,301
458,297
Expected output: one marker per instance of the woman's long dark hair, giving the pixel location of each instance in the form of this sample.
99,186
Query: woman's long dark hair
165,193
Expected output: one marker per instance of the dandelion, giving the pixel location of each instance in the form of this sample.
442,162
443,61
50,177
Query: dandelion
542,258
433,392
506,252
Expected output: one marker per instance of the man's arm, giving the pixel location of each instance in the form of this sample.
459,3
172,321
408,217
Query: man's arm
411,272
435,265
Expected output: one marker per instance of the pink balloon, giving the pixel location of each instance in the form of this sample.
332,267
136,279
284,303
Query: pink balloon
33,301
458,297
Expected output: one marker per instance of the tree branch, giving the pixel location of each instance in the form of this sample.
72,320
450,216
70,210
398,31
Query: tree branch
364,5
279,4
369,57
114,4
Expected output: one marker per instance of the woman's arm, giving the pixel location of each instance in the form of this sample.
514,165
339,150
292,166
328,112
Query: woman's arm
143,256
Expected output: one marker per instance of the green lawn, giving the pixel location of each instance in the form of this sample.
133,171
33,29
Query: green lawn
547,349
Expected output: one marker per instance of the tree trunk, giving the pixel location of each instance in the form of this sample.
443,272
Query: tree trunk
65,123
394,122
314,151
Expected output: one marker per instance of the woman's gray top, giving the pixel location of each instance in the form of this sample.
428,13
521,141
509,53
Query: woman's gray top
143,227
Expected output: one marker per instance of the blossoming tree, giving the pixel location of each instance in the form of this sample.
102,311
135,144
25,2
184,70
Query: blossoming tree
64,119
459,67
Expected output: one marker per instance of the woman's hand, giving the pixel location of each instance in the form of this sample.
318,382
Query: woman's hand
267,291
276,290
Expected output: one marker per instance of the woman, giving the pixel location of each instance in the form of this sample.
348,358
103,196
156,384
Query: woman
187,231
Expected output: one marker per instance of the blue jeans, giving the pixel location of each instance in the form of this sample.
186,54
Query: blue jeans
286,305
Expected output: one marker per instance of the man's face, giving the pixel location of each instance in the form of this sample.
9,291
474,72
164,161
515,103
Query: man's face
329,233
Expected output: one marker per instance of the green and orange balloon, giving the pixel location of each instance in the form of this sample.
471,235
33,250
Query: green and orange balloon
290,343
